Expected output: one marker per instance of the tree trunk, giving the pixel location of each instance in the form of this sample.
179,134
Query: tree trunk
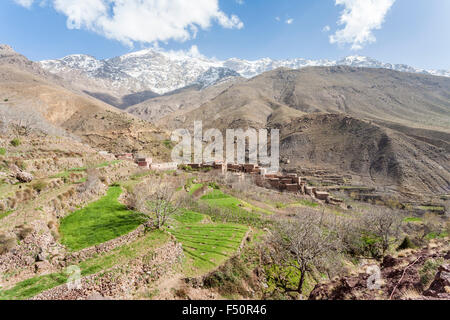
300,283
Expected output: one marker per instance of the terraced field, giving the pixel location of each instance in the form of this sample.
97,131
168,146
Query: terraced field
206,244
100,221
101,263
221,199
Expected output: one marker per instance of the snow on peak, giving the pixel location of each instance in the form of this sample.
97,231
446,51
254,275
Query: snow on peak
163,71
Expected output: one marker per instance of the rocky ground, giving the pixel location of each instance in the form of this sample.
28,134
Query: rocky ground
413,275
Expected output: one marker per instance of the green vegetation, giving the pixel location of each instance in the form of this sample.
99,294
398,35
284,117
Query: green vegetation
15,142
431,208
301,203
2,151
168,144
99,222
436,235
5,100
206,245
195,187
412,219
285,277
220,199
5,214
406,244
66,174
119,256
429,270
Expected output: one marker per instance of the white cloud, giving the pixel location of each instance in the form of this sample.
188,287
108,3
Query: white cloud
25,3
240,1
277,18
289,21
144,21
360,18
326,29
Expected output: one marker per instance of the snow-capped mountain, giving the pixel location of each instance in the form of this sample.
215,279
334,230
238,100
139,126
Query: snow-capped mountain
162,72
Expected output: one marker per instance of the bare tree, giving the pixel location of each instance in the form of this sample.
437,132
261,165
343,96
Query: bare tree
300,245
431,223
23,127
381,229
157,200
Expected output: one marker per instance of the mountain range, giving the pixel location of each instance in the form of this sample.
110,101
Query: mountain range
135,77
385,127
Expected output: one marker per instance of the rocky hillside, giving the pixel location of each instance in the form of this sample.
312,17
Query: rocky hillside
36,99
135,77
413,275
391,128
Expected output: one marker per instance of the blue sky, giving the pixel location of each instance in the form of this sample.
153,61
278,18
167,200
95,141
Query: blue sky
414,32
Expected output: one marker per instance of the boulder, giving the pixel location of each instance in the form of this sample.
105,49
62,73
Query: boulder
24,177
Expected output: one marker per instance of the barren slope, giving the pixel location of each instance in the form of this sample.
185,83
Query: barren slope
29,93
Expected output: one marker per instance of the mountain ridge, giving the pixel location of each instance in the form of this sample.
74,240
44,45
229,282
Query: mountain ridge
162,72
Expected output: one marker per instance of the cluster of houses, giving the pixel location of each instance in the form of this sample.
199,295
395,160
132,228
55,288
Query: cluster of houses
147,163
289,182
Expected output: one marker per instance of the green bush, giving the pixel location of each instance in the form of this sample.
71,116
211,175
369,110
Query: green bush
6,100
406,244
214,185
15,142
2,151
428,271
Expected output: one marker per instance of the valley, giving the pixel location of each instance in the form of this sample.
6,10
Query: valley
91,206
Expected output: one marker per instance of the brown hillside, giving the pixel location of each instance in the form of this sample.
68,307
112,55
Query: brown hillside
29,92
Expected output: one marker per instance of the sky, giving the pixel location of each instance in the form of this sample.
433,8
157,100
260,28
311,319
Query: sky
413,32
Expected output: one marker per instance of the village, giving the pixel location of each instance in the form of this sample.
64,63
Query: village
283,182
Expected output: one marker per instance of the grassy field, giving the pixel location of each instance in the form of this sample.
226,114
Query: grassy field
67,173
119,256
206,244
301,203
195,187
98,222
220,199
412,219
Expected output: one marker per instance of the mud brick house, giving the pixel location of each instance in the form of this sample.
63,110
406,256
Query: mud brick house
292,187
320,195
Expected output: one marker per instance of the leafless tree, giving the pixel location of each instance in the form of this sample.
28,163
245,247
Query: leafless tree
22,127
158,200
381,227
300,245
431,223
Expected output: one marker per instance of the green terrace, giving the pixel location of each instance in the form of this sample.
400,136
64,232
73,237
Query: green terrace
206,244
144,246
98,222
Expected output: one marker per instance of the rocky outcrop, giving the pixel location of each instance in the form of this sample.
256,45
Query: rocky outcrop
400,278
24,177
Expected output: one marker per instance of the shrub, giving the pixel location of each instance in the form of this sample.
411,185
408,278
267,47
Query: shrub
6,244
406,244
428,271
22,232
214,185
6,100
21,164
39,186
2,151
15,142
